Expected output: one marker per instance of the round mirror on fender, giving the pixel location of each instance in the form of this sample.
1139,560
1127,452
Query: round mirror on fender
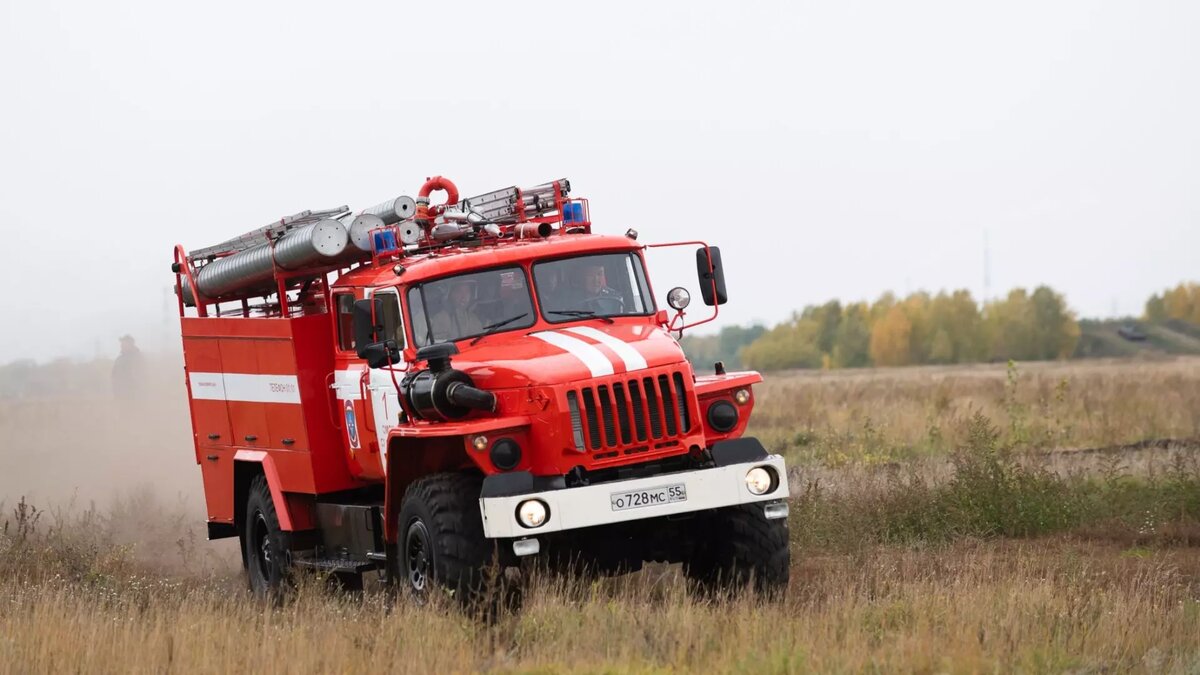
678,298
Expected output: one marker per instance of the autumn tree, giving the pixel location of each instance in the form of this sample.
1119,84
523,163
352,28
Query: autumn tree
725,346
1181,303
1030,327
891,339
792,344
852,342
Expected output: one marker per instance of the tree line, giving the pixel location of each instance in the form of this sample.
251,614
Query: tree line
1181,303
950,327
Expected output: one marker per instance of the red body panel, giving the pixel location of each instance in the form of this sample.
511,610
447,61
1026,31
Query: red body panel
261,385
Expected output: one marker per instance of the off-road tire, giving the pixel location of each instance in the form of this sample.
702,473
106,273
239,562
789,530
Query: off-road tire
265,546
441,545
738,547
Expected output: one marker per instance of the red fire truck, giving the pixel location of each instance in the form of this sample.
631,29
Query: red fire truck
439,391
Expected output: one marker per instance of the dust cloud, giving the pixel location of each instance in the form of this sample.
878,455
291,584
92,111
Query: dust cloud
111,438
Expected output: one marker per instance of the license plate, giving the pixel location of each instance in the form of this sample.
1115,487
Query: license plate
636,499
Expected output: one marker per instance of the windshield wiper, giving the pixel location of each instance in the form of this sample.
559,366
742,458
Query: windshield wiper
493,327
582,314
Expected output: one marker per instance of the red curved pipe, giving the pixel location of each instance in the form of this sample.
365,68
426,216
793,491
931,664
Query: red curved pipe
440,183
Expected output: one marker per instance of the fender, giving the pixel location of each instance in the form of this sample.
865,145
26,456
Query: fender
401,471
715,384
464,428
283,509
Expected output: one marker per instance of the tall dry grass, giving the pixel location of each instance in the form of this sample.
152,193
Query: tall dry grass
987,557
1041,606
885,415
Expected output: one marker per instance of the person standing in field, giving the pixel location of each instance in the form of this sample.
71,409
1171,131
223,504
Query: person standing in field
128,370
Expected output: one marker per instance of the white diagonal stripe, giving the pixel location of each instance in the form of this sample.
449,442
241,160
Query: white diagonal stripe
633,360
593,358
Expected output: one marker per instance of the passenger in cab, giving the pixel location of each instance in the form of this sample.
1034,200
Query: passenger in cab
457,319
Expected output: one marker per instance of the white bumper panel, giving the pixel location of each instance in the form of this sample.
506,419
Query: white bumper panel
591,505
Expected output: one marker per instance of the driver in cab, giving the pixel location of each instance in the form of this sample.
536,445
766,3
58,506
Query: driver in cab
596,294
457,318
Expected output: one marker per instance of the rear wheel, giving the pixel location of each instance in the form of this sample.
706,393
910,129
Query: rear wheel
442,546
264,544
738,548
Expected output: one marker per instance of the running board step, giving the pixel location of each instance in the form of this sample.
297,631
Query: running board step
335,565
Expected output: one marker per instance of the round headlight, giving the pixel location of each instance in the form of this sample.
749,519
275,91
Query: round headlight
506,454
532,513
760,480
479,443
678,298
741,396
722,416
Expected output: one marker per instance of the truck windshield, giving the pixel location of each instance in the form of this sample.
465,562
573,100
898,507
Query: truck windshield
607,284
467,305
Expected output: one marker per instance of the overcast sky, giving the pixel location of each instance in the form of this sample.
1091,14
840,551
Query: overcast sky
833,149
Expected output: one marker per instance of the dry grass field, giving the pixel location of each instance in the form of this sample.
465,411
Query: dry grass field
1042,519
883,415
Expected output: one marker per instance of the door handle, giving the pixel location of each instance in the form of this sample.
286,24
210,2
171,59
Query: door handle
368,406
213,437
250,438
335,406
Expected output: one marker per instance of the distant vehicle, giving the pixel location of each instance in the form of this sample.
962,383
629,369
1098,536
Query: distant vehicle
334,432
1132,332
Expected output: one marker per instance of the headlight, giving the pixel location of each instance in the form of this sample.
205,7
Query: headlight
760,480
479,443
741,396
532,513
678,298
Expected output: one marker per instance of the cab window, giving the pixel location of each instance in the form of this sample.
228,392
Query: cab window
467,305
393,325
345,321
605,284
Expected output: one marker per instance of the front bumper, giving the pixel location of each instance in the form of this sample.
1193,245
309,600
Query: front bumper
591,505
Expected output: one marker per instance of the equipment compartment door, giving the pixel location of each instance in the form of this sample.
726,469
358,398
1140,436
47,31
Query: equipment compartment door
210,415
285,415
244,392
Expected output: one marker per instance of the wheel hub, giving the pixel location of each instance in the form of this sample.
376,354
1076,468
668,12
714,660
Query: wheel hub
418,552
262,535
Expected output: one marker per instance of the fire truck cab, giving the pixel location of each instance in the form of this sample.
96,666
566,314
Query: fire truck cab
439,392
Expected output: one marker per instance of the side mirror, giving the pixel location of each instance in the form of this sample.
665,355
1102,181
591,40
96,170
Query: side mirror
712,283
380,354
367,335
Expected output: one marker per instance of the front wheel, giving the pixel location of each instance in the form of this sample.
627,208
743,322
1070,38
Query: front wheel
442,545
739,547
265,545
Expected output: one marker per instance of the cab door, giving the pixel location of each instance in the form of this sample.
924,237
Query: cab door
383,383
350,414
367,399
